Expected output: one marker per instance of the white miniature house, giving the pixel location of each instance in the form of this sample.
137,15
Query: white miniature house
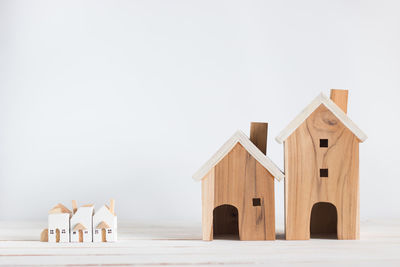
105,224
81,224
58,221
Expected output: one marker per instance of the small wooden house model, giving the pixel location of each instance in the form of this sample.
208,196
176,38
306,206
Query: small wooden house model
321,147
81,224
105,224
238,188
58,224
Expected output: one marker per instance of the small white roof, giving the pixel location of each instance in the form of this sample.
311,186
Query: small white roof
329,104
83,215
239,137
104,210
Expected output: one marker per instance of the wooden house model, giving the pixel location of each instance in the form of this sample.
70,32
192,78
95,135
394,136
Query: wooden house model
58,224
238,188
321,147
105,224
81,224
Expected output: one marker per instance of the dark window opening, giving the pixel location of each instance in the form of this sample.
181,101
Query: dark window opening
256,202
323,172
323,142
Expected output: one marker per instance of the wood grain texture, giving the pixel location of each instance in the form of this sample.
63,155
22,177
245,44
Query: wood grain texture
103,235
207,200
258,135
340,97
308,110
162,243
236,180
44,235
303,186
57,235
239,137
74,206
80,236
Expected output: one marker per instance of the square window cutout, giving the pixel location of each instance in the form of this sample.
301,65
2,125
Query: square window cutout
323,142
256,202
323,172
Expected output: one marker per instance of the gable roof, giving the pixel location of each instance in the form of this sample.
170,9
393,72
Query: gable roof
239,137
109,209
83,213
329,104
102,225
79,226
104,210
59,208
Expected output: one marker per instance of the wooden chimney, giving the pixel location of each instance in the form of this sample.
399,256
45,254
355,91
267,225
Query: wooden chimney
340,98
259,134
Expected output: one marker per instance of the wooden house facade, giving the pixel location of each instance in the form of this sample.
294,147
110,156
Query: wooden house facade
238,188
321,148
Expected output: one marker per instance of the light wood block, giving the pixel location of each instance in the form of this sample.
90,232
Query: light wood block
112,206
236,180
44,235
238,191
74,206
340,98
303,185
258,135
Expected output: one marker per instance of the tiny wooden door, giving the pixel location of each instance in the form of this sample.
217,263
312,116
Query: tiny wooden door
80,236
57,235
103,235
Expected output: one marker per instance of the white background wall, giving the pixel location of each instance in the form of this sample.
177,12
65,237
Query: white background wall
127,99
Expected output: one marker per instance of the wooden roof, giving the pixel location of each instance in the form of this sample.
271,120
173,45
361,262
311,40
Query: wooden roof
79,226
329,104
59,208
239,137
102,225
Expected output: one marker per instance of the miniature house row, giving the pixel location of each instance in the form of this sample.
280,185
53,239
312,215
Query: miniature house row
321,159
82,224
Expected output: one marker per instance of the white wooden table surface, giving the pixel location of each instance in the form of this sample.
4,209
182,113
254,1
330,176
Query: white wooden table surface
174,245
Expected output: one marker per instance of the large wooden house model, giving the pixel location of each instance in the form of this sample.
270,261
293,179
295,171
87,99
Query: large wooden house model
238,188
105,224
321,147
58,222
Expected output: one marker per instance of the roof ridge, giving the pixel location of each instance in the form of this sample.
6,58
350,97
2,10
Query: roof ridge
321,99
59,208
239,137
102,224
79,226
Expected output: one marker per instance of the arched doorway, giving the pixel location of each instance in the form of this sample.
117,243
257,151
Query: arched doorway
226,222
323,222
57,235
103,235
80,236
